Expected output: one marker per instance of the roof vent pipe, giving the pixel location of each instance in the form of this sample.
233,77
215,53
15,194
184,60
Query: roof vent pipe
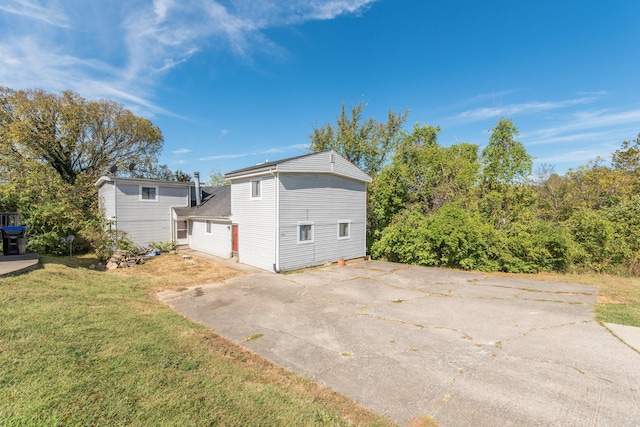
196,178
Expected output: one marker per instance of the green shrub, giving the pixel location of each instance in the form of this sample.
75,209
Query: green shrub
602,241
164,246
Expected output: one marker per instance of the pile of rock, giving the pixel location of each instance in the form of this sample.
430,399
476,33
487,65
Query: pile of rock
123,259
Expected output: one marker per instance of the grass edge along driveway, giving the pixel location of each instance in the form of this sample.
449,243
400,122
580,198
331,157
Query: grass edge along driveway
82,347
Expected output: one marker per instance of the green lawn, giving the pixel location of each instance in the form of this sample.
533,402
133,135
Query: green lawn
81,347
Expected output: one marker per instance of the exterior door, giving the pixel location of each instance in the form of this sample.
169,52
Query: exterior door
182,228
234,238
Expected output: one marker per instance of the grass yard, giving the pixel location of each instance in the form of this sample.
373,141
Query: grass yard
82,347
618,297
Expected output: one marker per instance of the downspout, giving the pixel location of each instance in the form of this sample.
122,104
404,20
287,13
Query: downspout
276,227
115,205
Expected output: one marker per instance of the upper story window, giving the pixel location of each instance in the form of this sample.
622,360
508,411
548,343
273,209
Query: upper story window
256,189
148,194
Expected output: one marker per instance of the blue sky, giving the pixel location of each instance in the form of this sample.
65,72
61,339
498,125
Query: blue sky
236,82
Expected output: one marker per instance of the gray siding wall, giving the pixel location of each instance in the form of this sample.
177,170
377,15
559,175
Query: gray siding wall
107,200
256,222
217,243
321,163
324,200
147,221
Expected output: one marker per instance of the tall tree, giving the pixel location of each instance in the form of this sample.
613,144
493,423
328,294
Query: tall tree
72,135
367,144
627,157
505,161
422,176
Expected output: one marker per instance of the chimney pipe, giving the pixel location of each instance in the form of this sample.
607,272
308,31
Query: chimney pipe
196,178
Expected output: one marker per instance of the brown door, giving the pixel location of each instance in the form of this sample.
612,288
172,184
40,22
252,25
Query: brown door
234,238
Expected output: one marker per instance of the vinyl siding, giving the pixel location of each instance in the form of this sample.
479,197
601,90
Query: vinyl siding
217,243
324,200
321,163
147,221
256,222
107,200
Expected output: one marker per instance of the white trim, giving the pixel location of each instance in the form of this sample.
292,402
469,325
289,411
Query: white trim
304,242
208,227
156,195
259,196
344,221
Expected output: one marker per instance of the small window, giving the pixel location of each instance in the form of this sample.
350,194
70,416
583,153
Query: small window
209,226
256,189
344,229
149,193
305,233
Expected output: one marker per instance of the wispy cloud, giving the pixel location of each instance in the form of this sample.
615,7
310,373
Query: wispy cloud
127,47
510,110
574,157
226,156
585,120
49,14
181,151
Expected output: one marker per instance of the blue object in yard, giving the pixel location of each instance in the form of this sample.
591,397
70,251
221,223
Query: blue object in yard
14,230
13,239
154,252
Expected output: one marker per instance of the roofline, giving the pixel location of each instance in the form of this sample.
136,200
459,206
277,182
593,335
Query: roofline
306,172
273,167
269,165
105,178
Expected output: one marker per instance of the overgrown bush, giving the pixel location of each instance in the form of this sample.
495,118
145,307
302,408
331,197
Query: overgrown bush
164,246
105,240
602,242
452,237
458,238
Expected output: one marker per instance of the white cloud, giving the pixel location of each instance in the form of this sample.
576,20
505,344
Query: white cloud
574,157
181,151
128,46
585,120
511,110
49,14
226,156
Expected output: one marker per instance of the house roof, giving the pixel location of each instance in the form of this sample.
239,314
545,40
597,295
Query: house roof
216,204
267,165
323,162
138,181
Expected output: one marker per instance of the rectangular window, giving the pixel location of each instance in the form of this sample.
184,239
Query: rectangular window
305,233
256,189
149,193
344,229
182,228
209,226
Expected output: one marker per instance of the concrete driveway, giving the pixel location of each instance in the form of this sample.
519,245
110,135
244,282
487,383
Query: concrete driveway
407,341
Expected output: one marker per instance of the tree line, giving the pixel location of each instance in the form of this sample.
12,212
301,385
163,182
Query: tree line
53,148
453,206
460,207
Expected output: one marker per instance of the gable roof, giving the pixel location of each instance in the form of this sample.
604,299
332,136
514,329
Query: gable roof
216,204
328,161
141,181
266,165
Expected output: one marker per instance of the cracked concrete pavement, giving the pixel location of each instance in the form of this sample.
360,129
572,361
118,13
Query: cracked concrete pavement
461,347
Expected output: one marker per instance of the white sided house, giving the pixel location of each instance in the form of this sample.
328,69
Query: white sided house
284,215
143,208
